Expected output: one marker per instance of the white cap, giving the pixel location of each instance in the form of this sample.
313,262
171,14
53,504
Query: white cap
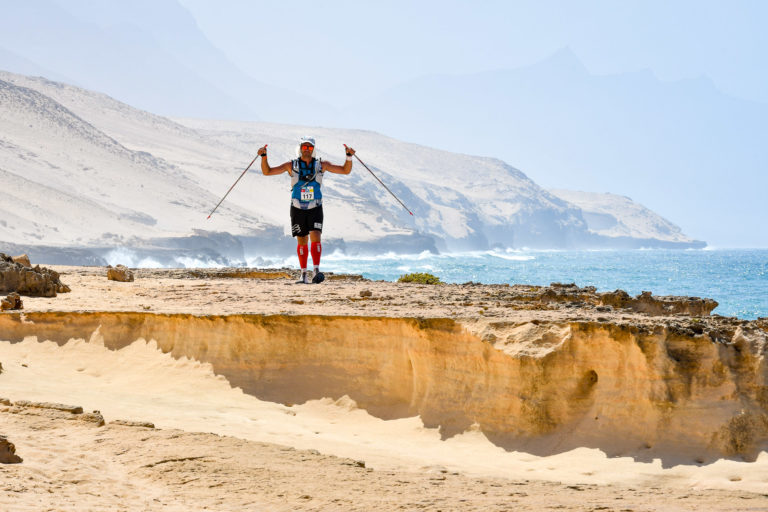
306,140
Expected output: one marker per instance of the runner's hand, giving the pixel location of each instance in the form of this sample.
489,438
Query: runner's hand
350,151
262,150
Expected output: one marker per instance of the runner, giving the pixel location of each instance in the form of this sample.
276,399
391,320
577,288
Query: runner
307,200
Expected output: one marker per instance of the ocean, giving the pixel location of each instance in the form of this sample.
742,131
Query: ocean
736,279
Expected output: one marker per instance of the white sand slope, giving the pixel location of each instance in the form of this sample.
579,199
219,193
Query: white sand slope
139,382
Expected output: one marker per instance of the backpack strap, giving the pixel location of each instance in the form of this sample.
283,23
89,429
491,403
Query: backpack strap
318,168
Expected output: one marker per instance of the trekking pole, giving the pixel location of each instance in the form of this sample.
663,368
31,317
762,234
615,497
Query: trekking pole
382,183
233,185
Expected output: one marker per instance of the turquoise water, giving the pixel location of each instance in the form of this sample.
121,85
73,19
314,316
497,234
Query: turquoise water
737,279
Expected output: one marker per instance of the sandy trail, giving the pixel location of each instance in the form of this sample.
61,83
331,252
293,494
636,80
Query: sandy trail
74,466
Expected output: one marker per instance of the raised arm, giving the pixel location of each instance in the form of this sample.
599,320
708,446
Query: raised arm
338,169
266,170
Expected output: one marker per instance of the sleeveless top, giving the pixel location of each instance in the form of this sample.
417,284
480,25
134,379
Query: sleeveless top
306,179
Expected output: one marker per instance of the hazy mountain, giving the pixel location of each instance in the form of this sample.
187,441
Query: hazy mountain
682,148
147,53
619,217
79,168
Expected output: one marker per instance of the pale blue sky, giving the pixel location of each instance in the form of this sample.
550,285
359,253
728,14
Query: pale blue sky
362,48
663,101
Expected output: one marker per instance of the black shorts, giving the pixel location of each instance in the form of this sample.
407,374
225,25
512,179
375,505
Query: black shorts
304,221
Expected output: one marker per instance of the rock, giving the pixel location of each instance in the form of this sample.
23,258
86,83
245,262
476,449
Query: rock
74,409
91,417
650,305
119,273
366,293
12,301
23,260
435,470
128,423
31,282
8,452
489,337
618,299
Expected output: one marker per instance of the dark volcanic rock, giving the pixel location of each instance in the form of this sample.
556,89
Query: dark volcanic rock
12,301
8,452
32,282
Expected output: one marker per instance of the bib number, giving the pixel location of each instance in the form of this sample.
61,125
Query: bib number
307,193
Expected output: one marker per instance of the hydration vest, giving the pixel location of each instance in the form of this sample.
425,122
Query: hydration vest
305,183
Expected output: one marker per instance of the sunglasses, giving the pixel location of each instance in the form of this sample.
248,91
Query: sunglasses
307,147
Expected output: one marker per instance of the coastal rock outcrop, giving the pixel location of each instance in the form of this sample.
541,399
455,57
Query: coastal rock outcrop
72,409
120,273
23,259
31,282
12,301
646,303
656,306
8,452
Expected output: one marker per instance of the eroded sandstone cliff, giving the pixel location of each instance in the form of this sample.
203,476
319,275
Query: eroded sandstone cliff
676,388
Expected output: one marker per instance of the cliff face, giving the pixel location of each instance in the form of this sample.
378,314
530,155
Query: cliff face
682,390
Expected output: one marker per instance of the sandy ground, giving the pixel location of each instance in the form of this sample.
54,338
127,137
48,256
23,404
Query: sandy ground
256,455
202,293
75,465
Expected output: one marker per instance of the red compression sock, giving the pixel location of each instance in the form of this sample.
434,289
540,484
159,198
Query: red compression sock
316,250
301,250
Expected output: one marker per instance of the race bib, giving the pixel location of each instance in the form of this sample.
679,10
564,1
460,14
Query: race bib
307,193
